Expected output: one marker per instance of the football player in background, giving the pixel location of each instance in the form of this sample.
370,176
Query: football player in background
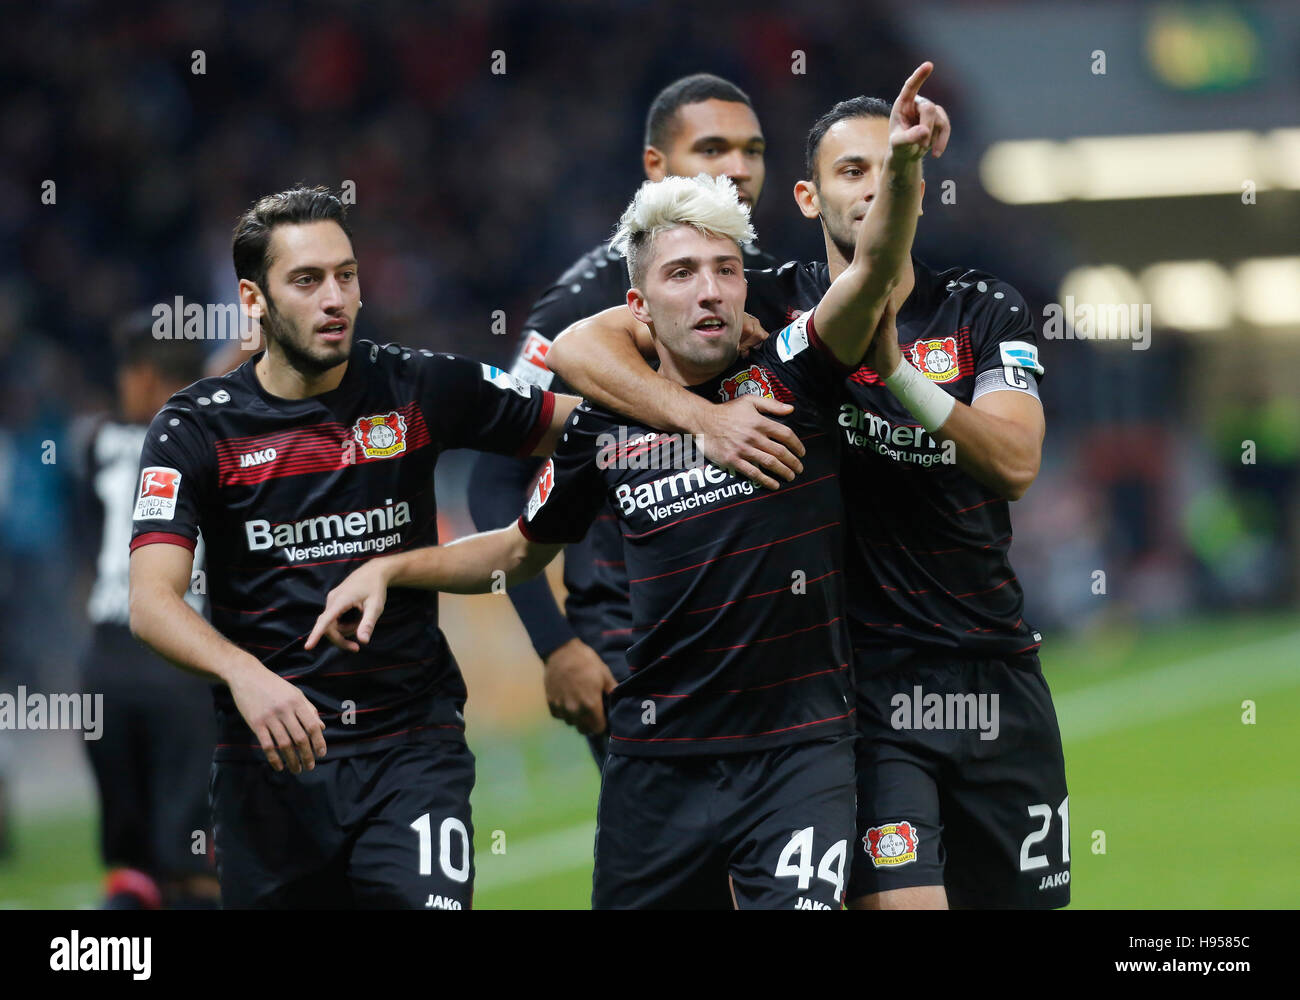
151,763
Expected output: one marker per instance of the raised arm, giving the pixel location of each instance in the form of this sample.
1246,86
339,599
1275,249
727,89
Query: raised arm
600,358
849,312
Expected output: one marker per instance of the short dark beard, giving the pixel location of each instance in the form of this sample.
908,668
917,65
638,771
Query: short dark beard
844,243
276,332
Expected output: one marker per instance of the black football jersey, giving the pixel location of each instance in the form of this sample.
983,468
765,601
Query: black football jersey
292,495
929,570
107,467
594,573
737,603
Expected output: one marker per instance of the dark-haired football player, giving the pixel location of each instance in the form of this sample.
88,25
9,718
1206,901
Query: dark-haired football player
339,780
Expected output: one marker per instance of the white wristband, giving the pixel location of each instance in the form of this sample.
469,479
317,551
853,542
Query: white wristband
926,401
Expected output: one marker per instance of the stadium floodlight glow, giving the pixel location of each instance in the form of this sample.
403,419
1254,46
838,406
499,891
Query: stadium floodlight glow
1194,295
1282,148
1160,166
1268,291
1022,173
1102,168
1101,302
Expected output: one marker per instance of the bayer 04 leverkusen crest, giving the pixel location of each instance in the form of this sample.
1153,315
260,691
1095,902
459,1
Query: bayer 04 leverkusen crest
937,359
381,436
892,844
752,381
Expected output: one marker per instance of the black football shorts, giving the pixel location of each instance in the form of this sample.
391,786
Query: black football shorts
961,783
761,830
383,830
152,758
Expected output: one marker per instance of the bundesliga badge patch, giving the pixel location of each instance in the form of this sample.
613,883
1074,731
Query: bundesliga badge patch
156,498
750,382
381,436
892,844
937,359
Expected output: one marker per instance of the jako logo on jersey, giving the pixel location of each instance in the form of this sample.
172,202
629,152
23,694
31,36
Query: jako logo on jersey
937,359
381,436
251,458
263,534
750,382
545,483
892,844
159,489
1054,881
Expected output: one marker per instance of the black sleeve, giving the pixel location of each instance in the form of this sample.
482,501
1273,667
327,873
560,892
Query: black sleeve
768,295
595,283
569,492
471,405
799,358
177,470
1004,343
497,488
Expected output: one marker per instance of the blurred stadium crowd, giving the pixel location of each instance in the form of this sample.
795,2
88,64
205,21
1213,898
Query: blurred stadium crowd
474,189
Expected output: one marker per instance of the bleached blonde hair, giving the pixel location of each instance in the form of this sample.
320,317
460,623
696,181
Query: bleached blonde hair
710,204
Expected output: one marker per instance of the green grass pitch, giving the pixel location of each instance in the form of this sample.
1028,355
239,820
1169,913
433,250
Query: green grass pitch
1194,807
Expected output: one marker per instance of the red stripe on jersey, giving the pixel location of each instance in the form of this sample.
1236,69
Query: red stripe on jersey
821,345
764,593
973,593
770,638
737,552
164,537
938,552
375,670
779,389
543,425
320,447
866,375
976,506
716,607
738,736
761,687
